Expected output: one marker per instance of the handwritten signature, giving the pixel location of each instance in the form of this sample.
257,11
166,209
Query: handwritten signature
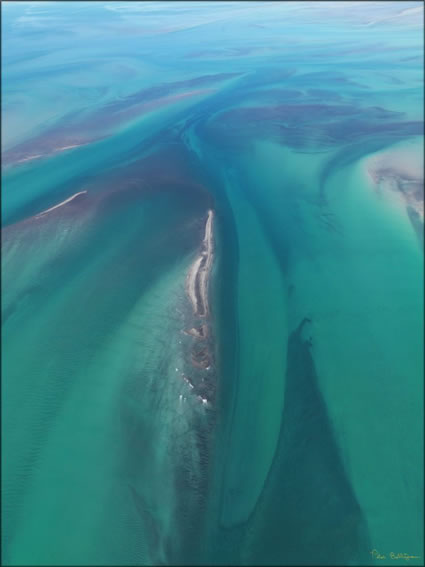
376,555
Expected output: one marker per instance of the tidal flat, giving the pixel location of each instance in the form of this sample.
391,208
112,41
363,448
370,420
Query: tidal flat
212,283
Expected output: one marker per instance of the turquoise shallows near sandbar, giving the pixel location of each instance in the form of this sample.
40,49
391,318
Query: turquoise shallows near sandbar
212,283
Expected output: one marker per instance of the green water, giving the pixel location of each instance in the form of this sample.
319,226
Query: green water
300,440
359,284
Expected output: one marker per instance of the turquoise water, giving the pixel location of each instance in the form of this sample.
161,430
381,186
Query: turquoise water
286,426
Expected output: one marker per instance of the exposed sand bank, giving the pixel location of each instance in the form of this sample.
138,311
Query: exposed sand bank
60,204
198,275
197,284
45,154
400,170
200,333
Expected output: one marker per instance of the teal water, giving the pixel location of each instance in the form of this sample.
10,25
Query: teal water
286,426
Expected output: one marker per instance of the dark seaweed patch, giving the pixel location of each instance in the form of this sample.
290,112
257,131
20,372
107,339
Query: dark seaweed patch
313,517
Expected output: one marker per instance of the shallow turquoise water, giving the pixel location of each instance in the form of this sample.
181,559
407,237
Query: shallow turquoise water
300,440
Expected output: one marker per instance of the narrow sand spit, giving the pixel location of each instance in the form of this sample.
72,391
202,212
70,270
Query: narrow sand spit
63,148
47,153
198,275
29,158
197,281
60,204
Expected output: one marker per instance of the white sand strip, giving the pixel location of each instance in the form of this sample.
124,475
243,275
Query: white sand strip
198,275
60,204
